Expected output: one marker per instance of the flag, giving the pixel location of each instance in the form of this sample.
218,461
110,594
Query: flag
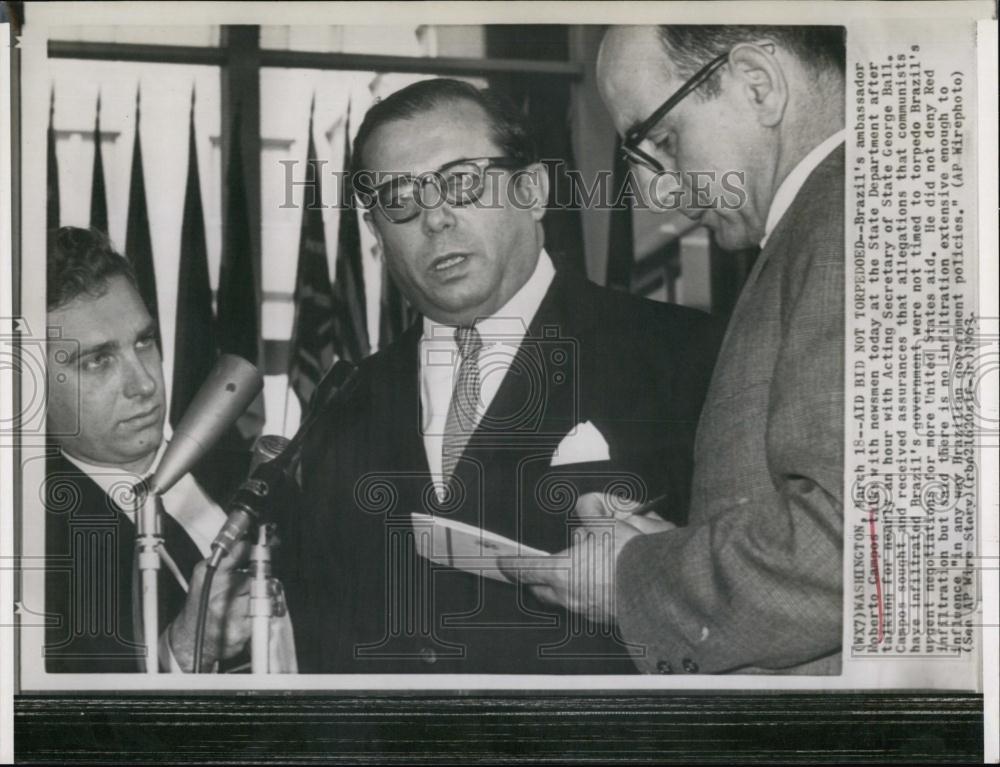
395,312
52,172
138,246
238,320
350,316
98,195
312,347
195,349
620,242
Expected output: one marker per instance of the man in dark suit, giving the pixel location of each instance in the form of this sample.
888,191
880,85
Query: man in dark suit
752,584
520,389
105,415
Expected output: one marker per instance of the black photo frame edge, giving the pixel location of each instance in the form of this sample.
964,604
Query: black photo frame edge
501,726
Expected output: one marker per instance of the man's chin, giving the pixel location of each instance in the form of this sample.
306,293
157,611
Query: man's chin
142,445
141,461
460,307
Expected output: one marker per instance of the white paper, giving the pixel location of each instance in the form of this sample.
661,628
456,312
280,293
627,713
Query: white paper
465,547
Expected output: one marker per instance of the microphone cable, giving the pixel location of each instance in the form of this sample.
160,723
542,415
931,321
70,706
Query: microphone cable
199,632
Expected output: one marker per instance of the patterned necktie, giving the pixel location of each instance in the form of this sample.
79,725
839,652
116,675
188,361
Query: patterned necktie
464,401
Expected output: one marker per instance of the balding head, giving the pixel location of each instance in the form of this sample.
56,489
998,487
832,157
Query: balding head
624,72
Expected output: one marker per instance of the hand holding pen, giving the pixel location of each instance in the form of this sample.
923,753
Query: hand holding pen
600,507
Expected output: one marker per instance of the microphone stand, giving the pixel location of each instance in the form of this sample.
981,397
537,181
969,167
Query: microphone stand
261,606
231,386
148,540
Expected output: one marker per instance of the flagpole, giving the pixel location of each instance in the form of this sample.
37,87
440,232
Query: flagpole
284,419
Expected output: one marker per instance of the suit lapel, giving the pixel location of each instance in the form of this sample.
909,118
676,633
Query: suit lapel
833,166
785,228
531,401
401,389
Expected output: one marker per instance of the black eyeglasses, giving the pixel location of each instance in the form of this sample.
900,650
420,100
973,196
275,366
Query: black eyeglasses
637,134
459,182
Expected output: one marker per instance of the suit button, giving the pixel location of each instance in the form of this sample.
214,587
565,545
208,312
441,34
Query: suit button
663,667
690,666
427,655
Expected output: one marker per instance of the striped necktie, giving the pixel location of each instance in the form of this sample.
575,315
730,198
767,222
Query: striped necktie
465,401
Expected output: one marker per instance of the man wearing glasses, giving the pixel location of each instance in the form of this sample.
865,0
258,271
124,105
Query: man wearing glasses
752,584
521,388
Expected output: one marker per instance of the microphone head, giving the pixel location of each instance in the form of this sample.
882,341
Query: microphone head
226,394
267,448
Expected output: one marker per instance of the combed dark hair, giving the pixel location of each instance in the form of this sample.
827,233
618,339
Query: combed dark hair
690,47
80,262
511,130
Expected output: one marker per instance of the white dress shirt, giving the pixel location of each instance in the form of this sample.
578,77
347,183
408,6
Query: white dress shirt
186,502
789,188
502,334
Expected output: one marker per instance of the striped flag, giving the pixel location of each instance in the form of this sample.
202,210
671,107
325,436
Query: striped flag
52,172
138,245
195,348
98,193
350,316
312,348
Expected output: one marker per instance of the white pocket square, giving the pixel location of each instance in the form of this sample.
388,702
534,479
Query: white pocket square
585,443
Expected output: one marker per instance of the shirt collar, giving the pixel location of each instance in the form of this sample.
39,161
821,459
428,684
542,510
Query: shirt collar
792,183
510,321
109,478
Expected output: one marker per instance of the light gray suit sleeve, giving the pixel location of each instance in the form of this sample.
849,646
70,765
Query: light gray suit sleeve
758,584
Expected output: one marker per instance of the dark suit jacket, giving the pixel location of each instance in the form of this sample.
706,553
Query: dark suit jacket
90,559
753,584
366,603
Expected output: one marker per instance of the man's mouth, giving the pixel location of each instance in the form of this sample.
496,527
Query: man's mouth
448,261
144,418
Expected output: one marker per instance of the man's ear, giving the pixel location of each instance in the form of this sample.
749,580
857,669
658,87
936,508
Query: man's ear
762,79
529,189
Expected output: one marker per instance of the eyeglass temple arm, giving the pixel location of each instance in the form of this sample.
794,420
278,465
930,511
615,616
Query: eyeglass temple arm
697,79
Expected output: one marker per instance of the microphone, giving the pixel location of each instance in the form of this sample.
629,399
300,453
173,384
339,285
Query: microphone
267,448
229,389
273,459
246,507
225,395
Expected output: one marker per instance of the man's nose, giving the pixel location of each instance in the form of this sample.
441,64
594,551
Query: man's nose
438,217
139,378
663,191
